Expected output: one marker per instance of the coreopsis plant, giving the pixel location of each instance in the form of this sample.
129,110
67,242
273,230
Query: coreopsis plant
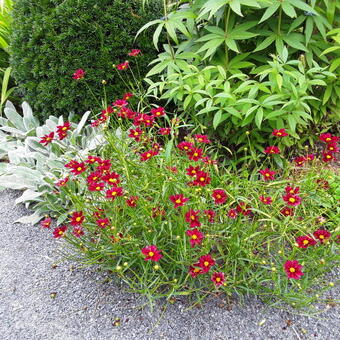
159,211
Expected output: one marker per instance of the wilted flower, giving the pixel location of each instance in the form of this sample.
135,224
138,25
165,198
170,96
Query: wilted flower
266,200
232,213
78,231
132,201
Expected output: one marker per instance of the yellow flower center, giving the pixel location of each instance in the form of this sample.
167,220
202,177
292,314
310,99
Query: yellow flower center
305,242
178,201
113,193
97,188
192,217
218,196
218,279
112,180
64,128
328,156
61,232
196,270
79,168
148,155
292,270
194,237
78,219
202,179
151,253
136,133
206,263
195,154
321,237
292,200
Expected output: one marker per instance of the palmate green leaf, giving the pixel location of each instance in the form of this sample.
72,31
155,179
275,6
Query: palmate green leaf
302,5
288,9
232,44
259,117
294,40
211,7
235,6
270,11
265,43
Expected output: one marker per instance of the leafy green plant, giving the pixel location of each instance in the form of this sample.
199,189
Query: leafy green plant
27,165
237,66
52,39
169,221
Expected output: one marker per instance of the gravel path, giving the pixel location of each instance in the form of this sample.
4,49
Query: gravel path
38,301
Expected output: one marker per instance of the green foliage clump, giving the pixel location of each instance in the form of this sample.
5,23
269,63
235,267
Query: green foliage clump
238,66
53,38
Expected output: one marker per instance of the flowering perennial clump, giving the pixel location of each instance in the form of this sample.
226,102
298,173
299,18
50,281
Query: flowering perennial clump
166,217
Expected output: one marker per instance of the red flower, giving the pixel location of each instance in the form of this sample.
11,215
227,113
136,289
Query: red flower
232,213
147,155
310,157
305,241
78,168
112,178
299,161
147,120
292,190
94,177
127,96
218,278
185,146
46,223
103,222
192,217
104,165
195,154
47,139
287,211
196,237
272,150
96,186
62,130
132,201
210,214
178,200
134,52
136,134
79,74
266,200
322,235
114,192
332,147
202,139
93,159
220,196
328,157
293,270
208,160
59,232
158,112
267,174
62,182
206,262
243,209
152,253
280,133
164,131
202,179
77,218
123,66
292,199
78,231
328,138
192,171
195,270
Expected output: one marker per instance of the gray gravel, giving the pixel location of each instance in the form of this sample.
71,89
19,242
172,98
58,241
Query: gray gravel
68,302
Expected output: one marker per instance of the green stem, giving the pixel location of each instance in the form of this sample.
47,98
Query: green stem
94,97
